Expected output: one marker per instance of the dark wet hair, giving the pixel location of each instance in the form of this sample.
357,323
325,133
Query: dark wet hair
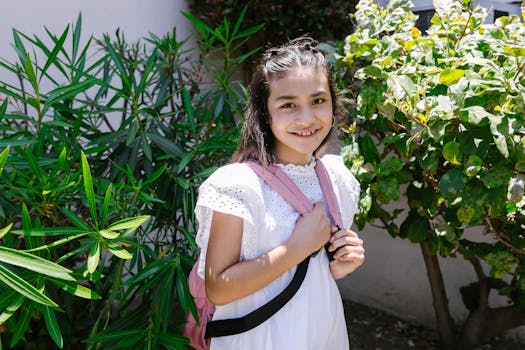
257,139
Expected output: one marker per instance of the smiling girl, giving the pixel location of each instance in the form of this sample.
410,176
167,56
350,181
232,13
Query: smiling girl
251,239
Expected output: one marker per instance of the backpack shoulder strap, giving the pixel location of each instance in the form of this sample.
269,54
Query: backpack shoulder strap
329,193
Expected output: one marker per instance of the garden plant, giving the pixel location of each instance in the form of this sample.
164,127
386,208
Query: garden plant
102,146
439,118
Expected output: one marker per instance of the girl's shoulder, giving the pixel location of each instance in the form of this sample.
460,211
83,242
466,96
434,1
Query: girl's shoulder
339,171
232,175
336,165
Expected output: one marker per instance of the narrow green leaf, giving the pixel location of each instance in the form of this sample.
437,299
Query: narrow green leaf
30,72
118,251
88,187
110,336
105,206
108,234
147,75
79,223
19,47
52,327
188,108
22,326
3,108
173,341
166,145
5,230
94,257
130,223
185,160
16,301
77,30
75,289
52,231
117,60
52,57
23,287
34,263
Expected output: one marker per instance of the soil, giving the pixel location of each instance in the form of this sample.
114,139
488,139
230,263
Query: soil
372,329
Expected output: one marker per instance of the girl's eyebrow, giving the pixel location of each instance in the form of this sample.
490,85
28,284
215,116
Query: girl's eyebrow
291,97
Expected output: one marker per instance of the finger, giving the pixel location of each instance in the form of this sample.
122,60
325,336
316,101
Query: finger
350,253
343,233
345,241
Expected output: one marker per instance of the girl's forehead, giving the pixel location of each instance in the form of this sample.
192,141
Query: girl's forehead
302,78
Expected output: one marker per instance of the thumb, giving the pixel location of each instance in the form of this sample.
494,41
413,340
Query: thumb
319,206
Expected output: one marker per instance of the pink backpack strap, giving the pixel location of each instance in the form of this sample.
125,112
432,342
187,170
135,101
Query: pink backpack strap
329,193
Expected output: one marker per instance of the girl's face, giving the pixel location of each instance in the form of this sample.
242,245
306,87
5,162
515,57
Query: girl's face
300,107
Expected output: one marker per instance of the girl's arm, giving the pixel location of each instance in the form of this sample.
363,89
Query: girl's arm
228,280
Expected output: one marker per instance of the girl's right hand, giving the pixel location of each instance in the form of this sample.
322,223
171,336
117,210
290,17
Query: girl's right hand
312,231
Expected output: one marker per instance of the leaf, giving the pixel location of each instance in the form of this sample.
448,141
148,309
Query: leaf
94,257
3,157
450,76
23,287
188,108
368,149
130,223
75,289
22,326
118,251
452,152
52,327
75,219
15,302
110,336
34,263
415,228
108,234
88,187
452,183
5,230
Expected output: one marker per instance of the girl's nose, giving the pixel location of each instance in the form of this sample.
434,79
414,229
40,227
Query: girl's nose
305,116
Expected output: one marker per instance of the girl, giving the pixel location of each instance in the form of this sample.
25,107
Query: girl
251,239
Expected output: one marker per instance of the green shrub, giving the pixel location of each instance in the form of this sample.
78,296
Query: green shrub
442,116
101,159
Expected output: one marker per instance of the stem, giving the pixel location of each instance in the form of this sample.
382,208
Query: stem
444,321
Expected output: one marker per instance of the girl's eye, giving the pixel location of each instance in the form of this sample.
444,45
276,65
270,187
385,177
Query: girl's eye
318,101
287,105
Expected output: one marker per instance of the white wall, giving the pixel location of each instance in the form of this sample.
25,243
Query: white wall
136,18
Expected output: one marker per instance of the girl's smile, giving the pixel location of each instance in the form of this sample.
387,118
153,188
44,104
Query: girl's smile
300,107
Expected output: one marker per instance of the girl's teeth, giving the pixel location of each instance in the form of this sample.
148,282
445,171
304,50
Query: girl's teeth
306,133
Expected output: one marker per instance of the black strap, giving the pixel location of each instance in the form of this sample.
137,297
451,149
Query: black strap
221,328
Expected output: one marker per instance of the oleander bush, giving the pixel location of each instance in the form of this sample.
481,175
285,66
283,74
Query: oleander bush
439,118
103,143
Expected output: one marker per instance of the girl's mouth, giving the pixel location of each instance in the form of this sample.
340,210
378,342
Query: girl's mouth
305,133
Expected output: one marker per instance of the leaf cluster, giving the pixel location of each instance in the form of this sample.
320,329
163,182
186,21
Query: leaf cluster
441,116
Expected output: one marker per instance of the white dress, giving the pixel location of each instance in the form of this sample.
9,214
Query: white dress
314,318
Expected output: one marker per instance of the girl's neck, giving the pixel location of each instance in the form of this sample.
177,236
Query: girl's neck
296,161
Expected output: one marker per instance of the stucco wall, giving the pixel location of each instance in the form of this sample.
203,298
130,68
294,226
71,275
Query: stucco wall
136,18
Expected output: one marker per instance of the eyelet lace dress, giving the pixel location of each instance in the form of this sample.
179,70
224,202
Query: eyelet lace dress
314,318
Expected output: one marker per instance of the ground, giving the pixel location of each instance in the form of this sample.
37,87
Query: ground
372,329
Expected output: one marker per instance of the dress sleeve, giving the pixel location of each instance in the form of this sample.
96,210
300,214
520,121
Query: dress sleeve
346,187
236,190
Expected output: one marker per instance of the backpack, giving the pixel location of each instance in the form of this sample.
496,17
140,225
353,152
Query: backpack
200,333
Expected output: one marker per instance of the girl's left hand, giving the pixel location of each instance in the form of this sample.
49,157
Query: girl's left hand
349,252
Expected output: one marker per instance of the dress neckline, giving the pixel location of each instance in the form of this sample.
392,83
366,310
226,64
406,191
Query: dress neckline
297,169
